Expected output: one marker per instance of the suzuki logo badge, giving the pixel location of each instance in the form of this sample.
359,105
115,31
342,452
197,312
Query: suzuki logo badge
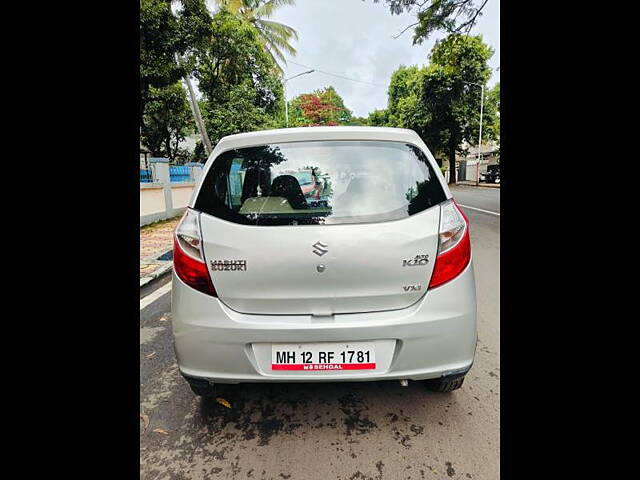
320,248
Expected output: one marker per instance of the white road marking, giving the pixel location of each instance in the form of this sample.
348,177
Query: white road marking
479,209
155,295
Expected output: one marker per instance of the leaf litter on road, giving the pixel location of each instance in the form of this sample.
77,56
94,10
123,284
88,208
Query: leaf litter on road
160,430
223,402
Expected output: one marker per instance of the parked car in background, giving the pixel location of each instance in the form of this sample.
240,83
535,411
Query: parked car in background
375,283
492,175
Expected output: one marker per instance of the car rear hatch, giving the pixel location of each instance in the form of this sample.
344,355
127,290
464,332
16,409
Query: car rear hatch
367,244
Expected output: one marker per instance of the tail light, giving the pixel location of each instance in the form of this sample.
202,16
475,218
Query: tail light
188,259
454,247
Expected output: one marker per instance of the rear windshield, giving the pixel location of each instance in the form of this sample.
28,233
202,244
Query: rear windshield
322,182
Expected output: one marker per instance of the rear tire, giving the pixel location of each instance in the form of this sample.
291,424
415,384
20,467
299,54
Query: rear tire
444,385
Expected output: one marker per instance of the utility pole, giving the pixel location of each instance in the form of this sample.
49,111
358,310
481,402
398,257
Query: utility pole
195,109
286,103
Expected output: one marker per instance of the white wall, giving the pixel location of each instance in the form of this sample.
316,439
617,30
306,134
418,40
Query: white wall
181,194
162,199
151,199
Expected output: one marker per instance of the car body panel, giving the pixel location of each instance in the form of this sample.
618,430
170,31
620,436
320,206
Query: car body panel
433,337
363,267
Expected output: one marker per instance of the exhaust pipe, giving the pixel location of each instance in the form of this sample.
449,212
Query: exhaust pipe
404,383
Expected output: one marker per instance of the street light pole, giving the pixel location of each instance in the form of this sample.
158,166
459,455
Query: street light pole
286,103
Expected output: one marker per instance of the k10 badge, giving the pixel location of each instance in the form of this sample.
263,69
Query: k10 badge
418,261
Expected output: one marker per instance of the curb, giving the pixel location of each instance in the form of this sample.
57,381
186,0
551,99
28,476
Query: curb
481,185
162,271
166,267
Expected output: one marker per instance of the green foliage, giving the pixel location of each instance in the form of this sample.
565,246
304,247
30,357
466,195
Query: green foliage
450,16
239,113
492,107
440,101
167,121
164,114
379,118
358,122
275,37
404,107
199,154
321,107
240,89
194,25
229,56
159,41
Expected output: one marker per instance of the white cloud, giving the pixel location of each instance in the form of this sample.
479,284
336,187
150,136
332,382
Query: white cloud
353,38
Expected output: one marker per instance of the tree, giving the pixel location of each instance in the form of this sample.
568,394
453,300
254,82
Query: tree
321,107
379,118
274,36
440,101
167,121
492,102
159,41
404,107
240,89
450,98
450,16
199,154
358,121
163,35
239,113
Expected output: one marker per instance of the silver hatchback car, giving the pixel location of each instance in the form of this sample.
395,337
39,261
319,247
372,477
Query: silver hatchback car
323,254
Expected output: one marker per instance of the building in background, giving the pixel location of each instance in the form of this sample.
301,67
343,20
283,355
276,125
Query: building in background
467,164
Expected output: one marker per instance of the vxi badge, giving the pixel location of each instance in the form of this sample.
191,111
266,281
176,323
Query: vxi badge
412,288
419,261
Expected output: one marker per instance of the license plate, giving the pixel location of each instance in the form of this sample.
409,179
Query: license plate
323,356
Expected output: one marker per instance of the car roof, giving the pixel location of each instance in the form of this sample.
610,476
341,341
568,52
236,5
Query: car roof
303,134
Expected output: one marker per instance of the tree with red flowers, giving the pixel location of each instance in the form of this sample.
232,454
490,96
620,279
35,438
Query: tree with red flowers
322,107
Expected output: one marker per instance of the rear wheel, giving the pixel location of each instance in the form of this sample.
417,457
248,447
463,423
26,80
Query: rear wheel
444,384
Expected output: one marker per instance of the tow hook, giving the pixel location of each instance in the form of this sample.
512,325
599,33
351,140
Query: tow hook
404,382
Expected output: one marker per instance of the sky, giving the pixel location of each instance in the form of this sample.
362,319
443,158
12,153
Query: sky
354,38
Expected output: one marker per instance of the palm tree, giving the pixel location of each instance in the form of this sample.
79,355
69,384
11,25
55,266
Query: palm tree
275,37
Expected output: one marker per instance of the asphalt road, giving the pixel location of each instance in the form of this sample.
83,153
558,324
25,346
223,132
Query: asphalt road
354,431
486,198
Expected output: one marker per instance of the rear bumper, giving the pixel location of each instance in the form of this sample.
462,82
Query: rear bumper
434,337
